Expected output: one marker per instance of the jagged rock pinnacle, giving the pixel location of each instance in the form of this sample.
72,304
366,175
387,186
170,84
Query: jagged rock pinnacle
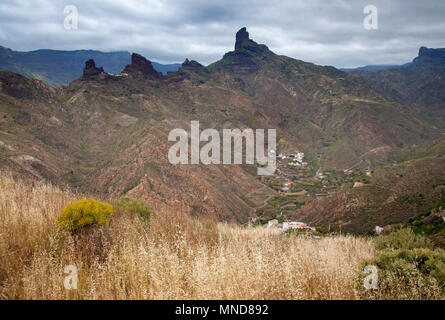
91,69
241,36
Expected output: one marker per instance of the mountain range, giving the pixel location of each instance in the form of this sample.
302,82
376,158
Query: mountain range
105,133
56,68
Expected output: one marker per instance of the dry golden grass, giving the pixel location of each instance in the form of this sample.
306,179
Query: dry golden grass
171,257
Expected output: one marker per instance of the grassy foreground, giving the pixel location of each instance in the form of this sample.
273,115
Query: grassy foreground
171,256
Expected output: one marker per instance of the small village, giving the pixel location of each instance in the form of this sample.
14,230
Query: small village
297,181
290,225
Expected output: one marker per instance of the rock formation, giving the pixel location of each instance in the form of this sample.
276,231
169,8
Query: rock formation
140,65
241,36
91,70
248,55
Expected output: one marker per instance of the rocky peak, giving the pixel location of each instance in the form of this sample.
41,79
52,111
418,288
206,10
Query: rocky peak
140,65
241,36
248,56
91,70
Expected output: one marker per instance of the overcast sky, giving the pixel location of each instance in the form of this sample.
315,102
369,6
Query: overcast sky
167,31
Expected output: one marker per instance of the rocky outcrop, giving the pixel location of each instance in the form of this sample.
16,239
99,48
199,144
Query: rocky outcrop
241,36
244,43
140,65
91,70
247,57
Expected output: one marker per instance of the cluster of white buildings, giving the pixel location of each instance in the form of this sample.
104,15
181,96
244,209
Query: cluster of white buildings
119,75
290,225
296,159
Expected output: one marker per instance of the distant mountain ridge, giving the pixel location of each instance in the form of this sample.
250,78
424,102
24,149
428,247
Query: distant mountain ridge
370,68
56,67
427,57
420,82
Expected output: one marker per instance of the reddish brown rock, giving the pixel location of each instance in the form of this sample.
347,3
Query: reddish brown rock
91,69
140,65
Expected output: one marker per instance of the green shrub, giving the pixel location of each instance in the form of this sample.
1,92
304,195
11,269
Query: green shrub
84,213
410,273
408,266
134,207
428,223
403,238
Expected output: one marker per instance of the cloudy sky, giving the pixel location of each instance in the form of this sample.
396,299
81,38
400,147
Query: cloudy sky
167,31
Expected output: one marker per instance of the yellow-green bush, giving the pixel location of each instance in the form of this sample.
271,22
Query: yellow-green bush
85,213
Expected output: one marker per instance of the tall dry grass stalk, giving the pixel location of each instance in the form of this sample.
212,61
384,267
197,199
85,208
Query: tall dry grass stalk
173,256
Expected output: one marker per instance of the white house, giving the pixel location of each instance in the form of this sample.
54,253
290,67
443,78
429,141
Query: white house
272,223
295,225
379,230
299,157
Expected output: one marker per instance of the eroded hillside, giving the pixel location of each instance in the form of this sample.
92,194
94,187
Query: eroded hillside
107,134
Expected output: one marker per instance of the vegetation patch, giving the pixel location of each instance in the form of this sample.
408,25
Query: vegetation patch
134,207
85,213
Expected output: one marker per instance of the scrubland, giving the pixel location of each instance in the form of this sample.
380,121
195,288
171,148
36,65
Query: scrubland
171,255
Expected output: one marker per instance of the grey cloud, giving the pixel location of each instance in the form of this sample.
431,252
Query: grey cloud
327,33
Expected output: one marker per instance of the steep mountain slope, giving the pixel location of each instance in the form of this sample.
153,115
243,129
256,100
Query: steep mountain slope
108,134
55,67
35,139
420,83
110,140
